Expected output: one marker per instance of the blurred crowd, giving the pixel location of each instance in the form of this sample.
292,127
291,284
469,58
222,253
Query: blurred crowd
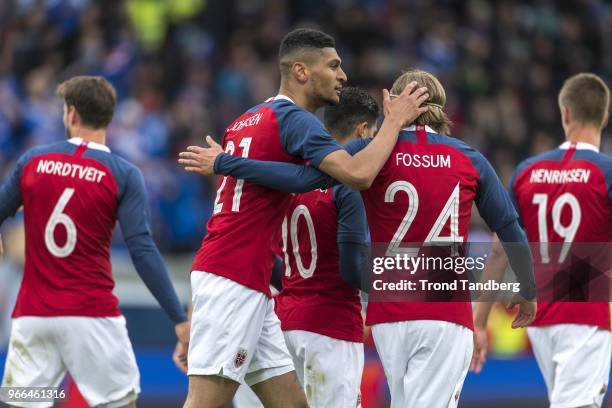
186,68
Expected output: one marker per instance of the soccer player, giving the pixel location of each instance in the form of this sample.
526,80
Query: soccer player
425,348
324,238
235,334
564,196
66,317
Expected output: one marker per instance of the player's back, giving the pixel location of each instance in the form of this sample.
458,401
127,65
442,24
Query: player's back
71,193
424,194
245,224
563,198
312,284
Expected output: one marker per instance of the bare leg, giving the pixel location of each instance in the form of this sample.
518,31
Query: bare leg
210,391
283,391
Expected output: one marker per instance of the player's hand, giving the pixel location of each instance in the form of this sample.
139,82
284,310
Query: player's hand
527,311
481,348
180,357
1,247
182,332
406,107
199,159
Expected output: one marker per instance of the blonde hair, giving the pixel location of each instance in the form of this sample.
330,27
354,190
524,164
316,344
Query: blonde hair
435,117
587,97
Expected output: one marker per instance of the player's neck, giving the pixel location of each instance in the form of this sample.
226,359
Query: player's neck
90,135
583,133
299,98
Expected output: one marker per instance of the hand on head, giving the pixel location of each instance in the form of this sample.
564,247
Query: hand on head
405,107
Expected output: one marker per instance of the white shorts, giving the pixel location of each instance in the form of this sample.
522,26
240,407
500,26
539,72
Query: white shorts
329,369
425,361
575,363
95,351
234,332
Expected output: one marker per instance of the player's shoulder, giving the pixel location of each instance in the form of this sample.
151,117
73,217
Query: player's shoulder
458,144
477,159
549,155
56,147
601,160
286,109
125,169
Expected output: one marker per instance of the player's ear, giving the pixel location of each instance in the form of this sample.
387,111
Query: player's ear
363,130
605,121
300,72
565,115
74,117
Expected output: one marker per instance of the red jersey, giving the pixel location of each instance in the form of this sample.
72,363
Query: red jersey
314,297
424,193
563,196
246,221
72,195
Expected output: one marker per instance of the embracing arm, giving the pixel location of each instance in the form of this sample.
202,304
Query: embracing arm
316,146
287,177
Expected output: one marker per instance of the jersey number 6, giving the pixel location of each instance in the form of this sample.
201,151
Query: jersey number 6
59,217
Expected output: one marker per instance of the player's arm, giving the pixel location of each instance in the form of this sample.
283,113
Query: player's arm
494,270
359,171
304,136
134,221
276,279
352,237
10,193
499,213
291,178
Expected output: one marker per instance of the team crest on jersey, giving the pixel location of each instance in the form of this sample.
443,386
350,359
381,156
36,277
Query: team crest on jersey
240,358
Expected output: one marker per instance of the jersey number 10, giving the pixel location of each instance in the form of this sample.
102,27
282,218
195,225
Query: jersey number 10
290,228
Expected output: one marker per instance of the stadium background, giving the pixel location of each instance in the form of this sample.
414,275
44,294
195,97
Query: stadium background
186,68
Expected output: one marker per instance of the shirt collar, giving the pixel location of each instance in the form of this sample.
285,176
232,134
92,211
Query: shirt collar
90,145
281,96
412,128
579,146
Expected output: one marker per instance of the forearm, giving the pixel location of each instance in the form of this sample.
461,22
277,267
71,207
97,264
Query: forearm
518,251
360,170
288,177
150,266
481,314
